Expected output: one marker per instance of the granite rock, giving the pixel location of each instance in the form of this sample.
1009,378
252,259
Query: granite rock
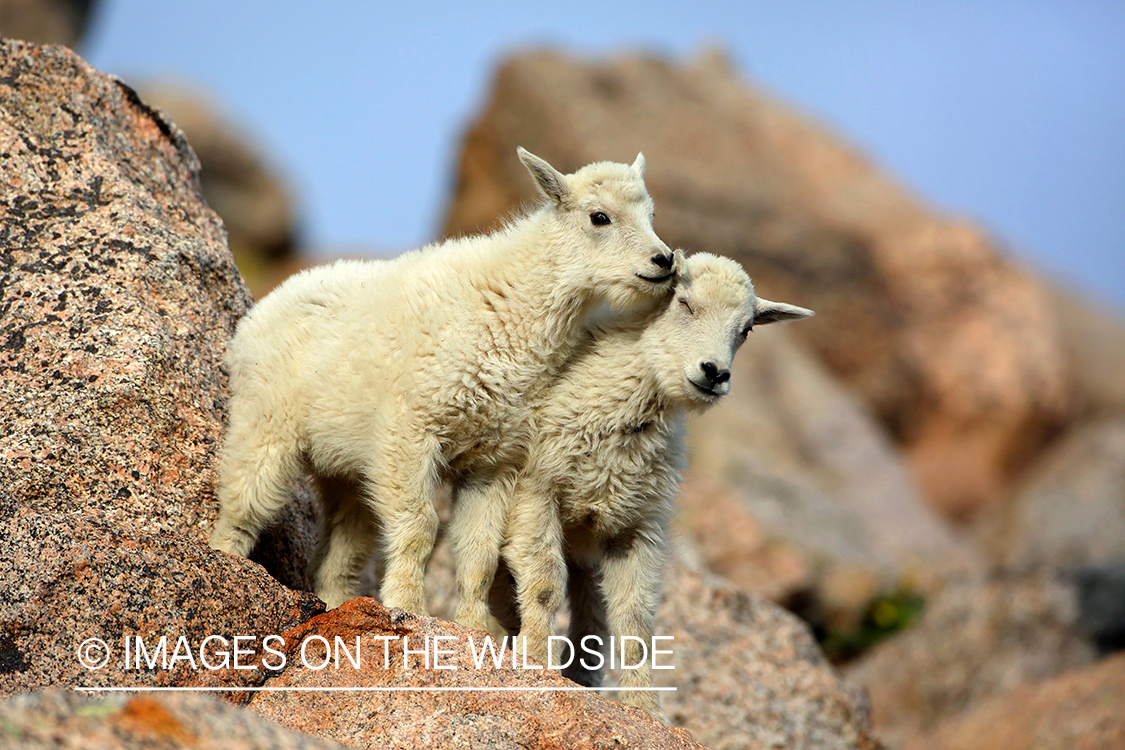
53,719
1093,339
117,297
239,181
749,674
536,709
1071,513
1083,708
46,21
982,635
69,577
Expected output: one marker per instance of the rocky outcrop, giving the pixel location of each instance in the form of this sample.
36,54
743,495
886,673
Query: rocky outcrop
118,296
1094,343
1071,514
748,674
1079,709
731,542
46,21
1069,521
68,577
947,341
248,192
178,721
981,636
408,703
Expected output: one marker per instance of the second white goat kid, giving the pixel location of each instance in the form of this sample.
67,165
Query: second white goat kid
593,505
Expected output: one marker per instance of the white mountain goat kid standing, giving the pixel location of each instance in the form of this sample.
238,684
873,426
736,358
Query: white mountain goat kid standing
592,506
381,376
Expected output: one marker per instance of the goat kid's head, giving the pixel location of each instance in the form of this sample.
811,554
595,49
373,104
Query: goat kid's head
712,312
607,211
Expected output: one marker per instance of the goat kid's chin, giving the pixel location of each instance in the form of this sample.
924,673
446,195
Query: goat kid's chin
702,394
658,278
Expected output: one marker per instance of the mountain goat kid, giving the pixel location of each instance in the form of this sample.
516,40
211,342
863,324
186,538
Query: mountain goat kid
380,377
593,504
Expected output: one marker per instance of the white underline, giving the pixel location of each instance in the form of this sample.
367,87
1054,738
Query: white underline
371,689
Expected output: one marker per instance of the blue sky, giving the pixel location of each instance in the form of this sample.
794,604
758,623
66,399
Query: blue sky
1011,113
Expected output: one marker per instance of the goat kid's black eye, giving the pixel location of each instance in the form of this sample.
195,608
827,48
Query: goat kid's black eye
684,302
599,219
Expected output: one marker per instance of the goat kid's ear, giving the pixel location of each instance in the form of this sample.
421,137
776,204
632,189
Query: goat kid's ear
772,312
639,165
550,180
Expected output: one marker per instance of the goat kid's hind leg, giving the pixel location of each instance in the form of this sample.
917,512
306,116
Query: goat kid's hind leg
502,599
587,618
632,576
347,536
480,515
259,461
534,552
401,494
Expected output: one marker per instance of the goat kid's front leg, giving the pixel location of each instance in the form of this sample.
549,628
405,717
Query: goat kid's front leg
534,554
401,490
631,580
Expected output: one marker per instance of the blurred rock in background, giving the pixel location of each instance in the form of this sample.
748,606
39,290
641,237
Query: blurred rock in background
985,633
46,21
1094,342
807,466
1071,513
945,339
240,183
1082,708
942,438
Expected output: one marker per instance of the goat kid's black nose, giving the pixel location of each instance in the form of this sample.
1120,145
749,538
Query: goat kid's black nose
662,261
713,374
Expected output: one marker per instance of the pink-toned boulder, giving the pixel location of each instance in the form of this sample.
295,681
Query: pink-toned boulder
1093,339
239,181
749,674
117,296
1071,513
983,635
952,346
411,704
1079,710
69,577
168,721
46,21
